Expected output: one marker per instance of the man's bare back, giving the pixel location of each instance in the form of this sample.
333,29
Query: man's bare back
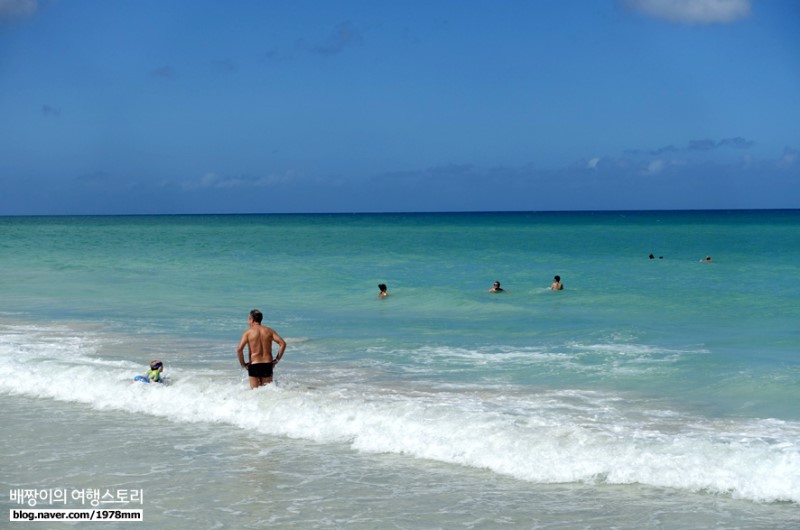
259,339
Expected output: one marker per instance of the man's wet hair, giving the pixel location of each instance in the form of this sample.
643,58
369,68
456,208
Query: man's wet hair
256,315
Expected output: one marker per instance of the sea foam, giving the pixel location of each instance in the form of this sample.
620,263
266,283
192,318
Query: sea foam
548,437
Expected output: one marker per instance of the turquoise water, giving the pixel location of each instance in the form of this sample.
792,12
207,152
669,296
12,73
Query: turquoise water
662,382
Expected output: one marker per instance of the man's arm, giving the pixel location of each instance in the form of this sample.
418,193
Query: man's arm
282,346
240,349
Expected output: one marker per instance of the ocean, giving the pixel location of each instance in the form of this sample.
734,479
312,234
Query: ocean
649,393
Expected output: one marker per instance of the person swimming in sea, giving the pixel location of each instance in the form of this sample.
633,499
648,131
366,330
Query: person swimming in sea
153,375
382,290
496,288
557,285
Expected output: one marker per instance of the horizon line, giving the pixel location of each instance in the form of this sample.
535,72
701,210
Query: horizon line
411,212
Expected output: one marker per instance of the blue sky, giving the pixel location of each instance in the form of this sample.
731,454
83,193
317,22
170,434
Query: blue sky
247,106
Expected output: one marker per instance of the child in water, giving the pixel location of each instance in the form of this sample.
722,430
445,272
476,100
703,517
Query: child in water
153,375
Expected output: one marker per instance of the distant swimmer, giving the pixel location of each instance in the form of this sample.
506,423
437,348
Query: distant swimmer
707,259
557,285
153,375
259,339
382,290
496,288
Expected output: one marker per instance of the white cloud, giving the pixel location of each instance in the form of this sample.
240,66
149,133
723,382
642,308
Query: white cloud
655,167
789,157
214,181
694,11
592,164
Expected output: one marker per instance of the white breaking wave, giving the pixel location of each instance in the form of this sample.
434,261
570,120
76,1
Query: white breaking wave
553,437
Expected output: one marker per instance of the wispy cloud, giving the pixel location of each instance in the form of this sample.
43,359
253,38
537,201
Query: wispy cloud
695,156
214,181
737,143
705,144
710,145
655,167
790,158
269,54
693,11
93,177
343,35
225,65
50,112
165,72
14,9
702,145
458,174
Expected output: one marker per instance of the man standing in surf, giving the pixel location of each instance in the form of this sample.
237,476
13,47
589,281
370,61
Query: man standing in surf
258,340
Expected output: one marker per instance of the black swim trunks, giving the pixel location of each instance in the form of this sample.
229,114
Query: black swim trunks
260,370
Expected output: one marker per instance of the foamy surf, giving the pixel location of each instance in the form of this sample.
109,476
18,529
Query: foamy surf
548,437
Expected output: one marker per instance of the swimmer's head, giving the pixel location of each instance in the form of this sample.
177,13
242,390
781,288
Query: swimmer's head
382,287
557,278
156,365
